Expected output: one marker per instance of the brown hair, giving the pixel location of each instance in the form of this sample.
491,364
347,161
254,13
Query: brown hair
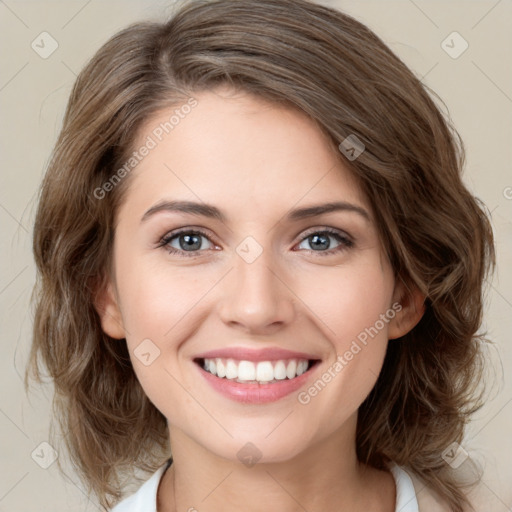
436,233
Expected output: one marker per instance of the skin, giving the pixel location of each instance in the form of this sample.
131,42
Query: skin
256,162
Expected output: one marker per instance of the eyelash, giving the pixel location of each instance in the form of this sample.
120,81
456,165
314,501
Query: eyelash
345,242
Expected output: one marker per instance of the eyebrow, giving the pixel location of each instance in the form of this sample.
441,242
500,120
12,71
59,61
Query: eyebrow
210,211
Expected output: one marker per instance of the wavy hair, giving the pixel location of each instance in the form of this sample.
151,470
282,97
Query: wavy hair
330,66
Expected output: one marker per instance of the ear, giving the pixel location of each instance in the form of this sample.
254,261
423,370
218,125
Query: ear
412,303
107,307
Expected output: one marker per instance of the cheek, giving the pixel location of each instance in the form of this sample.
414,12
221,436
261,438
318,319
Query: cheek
157,299
348,302
156,307
161,309
349,309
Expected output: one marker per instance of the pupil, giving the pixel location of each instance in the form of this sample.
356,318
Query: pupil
194,241
190,243
324,241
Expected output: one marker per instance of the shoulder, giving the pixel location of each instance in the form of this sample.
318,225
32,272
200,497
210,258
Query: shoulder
430,501
144,500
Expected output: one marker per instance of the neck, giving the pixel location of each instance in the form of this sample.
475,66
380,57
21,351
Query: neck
327,476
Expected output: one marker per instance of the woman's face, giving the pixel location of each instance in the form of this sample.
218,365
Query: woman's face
262,282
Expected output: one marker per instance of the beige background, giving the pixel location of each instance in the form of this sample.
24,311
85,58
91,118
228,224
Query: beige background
476,86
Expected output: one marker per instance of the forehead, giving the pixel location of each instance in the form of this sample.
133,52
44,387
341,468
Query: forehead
240,150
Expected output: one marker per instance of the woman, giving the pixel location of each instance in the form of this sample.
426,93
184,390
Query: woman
260,272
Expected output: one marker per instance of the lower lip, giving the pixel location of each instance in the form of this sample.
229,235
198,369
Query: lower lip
253,393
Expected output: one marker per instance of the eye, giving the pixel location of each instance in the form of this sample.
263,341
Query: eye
189,242
185,243
320,241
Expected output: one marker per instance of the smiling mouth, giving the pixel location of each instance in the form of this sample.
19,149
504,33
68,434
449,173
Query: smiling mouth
261,372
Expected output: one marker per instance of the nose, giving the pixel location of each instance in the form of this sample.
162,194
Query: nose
256,298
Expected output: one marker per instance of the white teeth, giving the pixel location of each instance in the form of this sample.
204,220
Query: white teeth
280,370
291,369
262,371
302,366
221,369
246,370
231,369
212,367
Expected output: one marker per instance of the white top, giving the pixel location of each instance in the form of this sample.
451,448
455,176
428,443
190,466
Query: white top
144,500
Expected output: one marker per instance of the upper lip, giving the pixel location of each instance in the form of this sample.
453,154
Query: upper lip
247,354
